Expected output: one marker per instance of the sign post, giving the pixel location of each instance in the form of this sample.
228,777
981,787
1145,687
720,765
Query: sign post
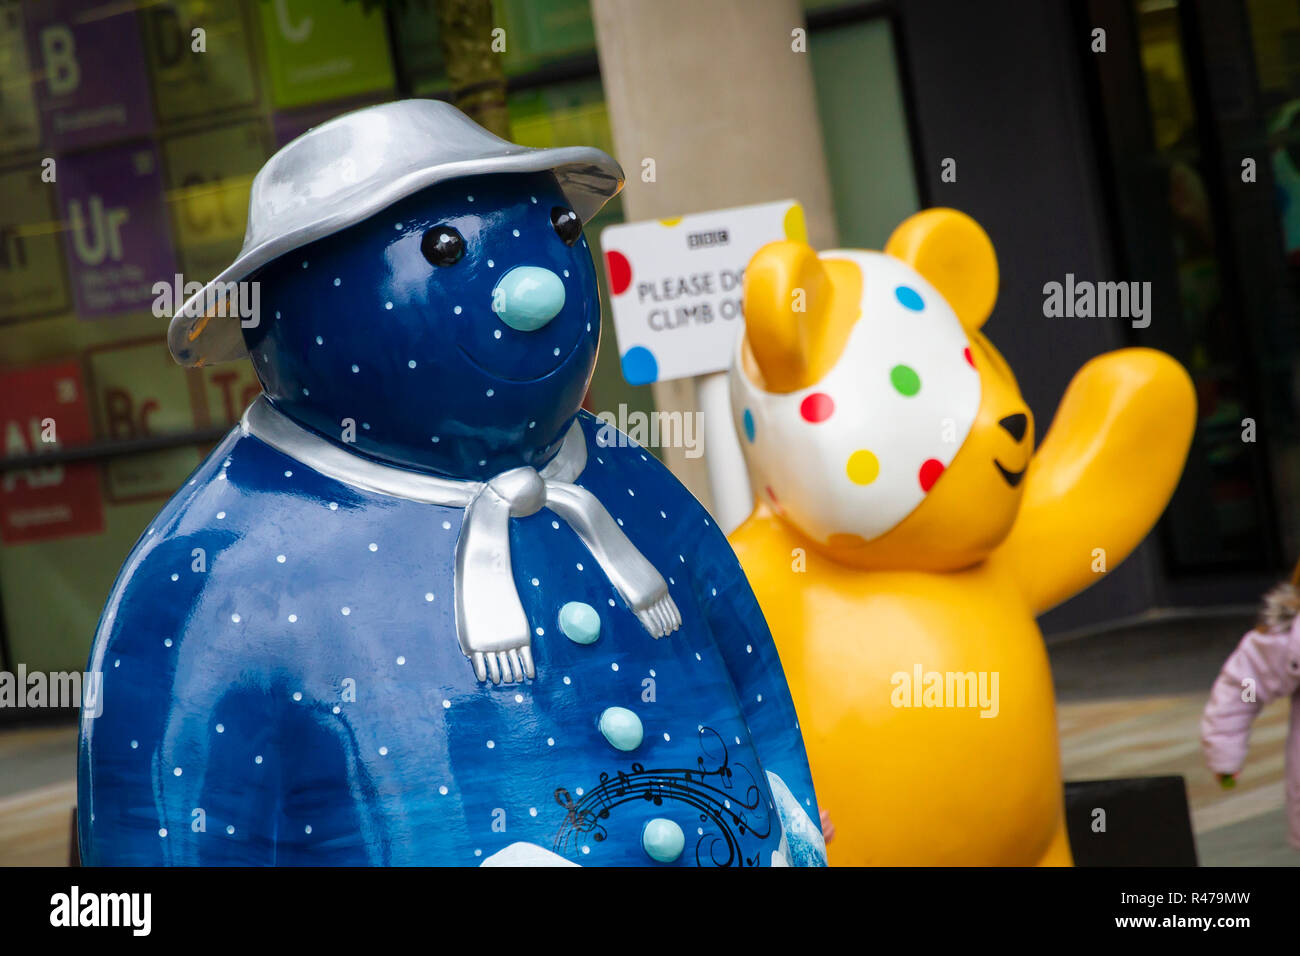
676,288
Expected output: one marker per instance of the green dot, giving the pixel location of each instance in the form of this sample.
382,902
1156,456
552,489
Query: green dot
579,622
905,380
622,728
663,840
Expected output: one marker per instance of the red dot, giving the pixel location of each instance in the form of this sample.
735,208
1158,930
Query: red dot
930,473
620,271
817,407
969,358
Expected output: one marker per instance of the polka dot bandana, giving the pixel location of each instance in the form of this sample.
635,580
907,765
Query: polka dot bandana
854,454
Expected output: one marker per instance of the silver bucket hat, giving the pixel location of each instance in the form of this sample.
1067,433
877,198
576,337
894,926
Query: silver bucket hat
346,170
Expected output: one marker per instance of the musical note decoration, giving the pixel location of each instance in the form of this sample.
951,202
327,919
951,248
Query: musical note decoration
725,812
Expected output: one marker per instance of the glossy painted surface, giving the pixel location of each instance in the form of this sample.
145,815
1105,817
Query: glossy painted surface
914,773
299,696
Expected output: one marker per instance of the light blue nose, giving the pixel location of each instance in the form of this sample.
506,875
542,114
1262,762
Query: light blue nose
527,297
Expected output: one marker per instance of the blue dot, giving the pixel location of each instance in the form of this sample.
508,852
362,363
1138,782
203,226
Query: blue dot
663,840
909,298
579,622
748,421
639,366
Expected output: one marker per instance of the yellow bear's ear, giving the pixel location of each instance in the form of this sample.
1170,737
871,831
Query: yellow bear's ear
799,310
955,255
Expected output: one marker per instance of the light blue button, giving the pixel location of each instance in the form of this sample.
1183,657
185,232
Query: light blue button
579,622
622,728
663,840
527,297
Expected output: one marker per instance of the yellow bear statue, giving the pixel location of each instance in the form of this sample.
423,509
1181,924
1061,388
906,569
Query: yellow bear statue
905,535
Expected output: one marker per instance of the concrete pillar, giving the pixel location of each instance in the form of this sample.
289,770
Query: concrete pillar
715,93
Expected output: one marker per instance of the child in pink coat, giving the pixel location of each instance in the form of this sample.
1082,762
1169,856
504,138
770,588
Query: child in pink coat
1264,667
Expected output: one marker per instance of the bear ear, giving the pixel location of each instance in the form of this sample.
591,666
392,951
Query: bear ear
799,310
955,255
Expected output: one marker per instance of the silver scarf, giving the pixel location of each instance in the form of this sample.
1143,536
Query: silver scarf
490,621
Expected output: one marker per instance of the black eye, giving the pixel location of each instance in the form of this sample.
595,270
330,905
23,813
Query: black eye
443,246
566,224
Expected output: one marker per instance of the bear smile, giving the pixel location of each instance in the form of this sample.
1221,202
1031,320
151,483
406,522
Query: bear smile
1012,478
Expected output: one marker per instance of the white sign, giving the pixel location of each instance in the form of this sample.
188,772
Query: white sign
676,285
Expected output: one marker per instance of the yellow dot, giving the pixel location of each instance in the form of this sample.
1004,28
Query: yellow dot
670,222
863,467
795,228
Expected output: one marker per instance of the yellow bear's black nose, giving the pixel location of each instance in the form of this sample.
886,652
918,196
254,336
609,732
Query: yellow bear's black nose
1015,425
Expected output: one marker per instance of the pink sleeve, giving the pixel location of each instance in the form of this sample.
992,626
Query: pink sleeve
1267,660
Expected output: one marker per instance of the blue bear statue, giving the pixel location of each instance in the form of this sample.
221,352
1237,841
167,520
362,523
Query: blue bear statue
418,607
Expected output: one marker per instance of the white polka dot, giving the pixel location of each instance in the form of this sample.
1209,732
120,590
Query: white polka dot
337,709
491,392
397,226
221,728
221,515
167,642
443,790
307,828
288,474
666,737
491,264
280,559
446,705
555,525
401,661
176,577
550,741
355,369
411,364
532,811
383,751
428,595
536,582
446,526
319,340
496,333
235,618
162,832
334,506
257,759
540,631
491,745
345,611
759,698
613,667
586,849
456,310
579,565
516,233
293,618
388,305
230,830
135,745
338,281
567,680
373,546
